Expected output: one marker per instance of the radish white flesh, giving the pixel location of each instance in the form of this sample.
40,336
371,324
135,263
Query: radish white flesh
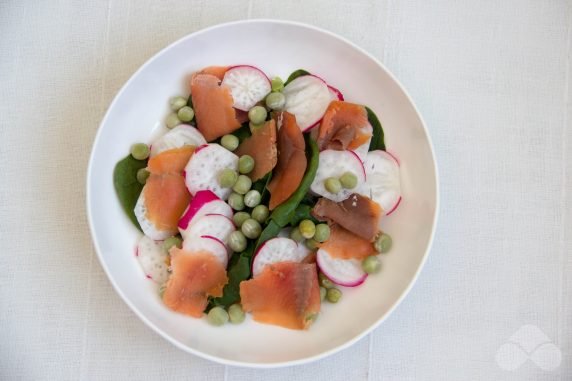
383,184
201,173
307,97
302,250
182,135
335,94
214,225
248,86
207,243
205,202
334,164
152,259
276,250
147,226
344,272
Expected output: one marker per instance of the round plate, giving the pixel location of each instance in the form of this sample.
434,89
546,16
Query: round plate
278,48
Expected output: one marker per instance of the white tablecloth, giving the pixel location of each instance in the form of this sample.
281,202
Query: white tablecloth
492,79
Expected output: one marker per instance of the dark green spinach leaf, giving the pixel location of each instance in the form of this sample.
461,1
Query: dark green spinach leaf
126,185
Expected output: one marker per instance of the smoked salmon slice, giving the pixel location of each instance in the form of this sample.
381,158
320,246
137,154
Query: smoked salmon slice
170,161
292,160
343,244
358,214
166,198
285,294
261,145
195,277
344,127
213,103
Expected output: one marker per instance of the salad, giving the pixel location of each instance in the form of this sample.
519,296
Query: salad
262,197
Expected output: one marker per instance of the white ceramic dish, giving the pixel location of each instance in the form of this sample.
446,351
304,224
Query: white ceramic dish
277,47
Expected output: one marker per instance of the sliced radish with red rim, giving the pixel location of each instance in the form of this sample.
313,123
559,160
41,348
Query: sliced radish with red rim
276,250
209,244
182,135
383,183
214,225
334,164
205,202
307,98
344,272
201,173
152,259
335,94
248,86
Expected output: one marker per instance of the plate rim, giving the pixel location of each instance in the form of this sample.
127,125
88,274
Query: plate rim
276,364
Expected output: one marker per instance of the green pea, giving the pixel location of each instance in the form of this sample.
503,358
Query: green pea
371,264
296,235
383,243
260,213
277,84
172,242
236,201
333,295
230,142
324,281
251,228
142,175
217,316
348,180
236,314
242,185
323,292
275,101
252,198
140,151
237,241
186,114
307,228
227,178
177,103
245,164
333,185
240,217
322,233
312,244
257,114
172,121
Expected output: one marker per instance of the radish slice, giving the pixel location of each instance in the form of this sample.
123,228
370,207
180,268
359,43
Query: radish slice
205,202
307,97
147,226
182,135
248,86
207,243
301,250
201,173
214,225
335,94
383,184
344,272
362,151
152,259
334,164
276,250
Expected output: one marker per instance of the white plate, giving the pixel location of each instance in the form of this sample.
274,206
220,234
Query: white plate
277,47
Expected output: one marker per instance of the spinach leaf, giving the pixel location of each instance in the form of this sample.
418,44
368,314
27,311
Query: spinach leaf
270,231
239,270
126,185
243,132
296,74
282,214
377,140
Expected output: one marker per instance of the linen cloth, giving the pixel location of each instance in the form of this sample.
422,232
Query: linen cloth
492,80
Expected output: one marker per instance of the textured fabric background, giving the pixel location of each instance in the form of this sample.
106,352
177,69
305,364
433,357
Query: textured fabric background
491,78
